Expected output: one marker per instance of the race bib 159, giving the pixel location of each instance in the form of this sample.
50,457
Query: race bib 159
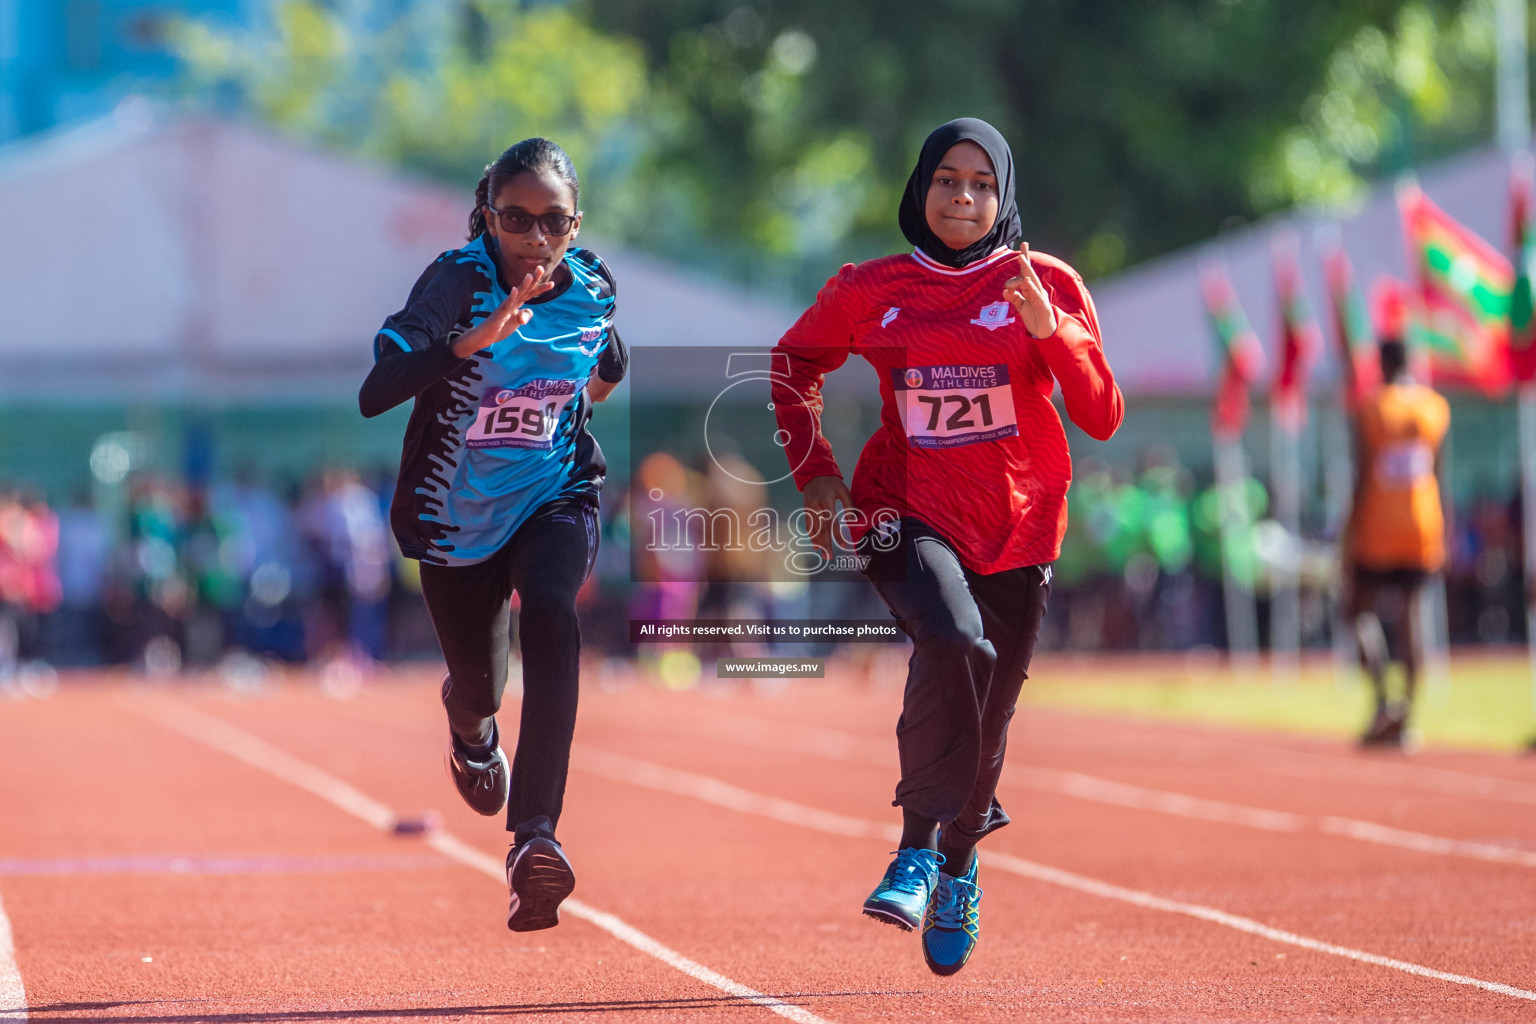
949,406
521,417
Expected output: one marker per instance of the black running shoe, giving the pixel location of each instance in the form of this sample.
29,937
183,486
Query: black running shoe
539,878
482,777
1386,729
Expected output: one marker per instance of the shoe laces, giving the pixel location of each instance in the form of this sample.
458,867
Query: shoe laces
954,902
914,868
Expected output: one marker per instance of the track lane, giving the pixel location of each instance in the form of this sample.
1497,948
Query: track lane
777,906
1281,901
177,946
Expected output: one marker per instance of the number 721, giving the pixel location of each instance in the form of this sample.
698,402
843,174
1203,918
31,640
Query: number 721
960,417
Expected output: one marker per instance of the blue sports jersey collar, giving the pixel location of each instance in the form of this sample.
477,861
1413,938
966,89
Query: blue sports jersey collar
489,247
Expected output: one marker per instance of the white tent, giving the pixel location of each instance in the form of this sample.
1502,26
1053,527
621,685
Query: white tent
190,258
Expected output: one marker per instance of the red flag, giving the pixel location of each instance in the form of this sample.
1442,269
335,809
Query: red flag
1238,351
1522,322
1353,339
1299,339
1463,289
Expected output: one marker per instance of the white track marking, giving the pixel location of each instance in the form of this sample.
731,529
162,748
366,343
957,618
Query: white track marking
1373,833
722,794
1301,764
840,746
1093,887
1376,770
1090,787
452,846
13,995
1436,780
220,735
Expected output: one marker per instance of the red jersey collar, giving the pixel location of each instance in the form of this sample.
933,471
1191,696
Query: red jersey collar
932,264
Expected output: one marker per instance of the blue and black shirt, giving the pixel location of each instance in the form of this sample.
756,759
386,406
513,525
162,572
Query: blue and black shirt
494,436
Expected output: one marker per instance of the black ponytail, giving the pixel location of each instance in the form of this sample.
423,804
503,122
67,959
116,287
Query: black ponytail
535,154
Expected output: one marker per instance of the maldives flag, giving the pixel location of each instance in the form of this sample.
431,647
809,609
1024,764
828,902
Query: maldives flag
1299,340
1238,352
1522,323
1354,340
1463,287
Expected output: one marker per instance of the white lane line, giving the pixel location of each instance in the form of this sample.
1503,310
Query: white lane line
1447,781
452,846
1257,756
1091,787
1372,833
222,736
1303,764
13,995
1094,887
722,794
840,746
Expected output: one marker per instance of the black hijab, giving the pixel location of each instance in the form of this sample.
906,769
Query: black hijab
1006,231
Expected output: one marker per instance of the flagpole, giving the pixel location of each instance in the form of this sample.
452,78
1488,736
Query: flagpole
1285,598
1527,411
1514,132
1237,595
1338,477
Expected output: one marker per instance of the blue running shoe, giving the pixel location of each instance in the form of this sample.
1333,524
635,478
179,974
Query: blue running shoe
953,922
902,894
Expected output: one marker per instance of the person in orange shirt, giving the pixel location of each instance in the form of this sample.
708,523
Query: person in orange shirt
1395,537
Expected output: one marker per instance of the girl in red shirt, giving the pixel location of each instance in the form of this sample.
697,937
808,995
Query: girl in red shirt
965,482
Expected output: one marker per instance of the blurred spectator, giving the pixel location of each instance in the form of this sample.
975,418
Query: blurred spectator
344,524
175,577
29,581
85,556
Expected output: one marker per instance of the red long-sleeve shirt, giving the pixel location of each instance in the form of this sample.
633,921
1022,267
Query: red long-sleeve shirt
969,441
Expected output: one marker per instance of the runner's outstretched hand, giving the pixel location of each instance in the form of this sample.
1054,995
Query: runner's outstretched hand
822,493
1029,298
508,317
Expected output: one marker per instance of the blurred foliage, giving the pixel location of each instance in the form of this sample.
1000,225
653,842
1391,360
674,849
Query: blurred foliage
771,139
1389,99
1138,127
436,90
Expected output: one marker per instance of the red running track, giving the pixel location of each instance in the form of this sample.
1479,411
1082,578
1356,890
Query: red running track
187,854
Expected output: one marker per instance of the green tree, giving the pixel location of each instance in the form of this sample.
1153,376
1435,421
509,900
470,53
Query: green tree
442,97
1138,126
1389,100
771,139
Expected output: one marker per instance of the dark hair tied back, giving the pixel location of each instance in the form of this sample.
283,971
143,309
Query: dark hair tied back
535,154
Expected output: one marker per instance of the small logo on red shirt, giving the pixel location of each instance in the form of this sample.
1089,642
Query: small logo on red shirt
890,314
994,316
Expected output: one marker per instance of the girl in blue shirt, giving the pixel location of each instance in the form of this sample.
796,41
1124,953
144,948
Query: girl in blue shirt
504,344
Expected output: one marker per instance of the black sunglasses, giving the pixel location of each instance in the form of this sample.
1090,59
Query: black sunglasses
517,222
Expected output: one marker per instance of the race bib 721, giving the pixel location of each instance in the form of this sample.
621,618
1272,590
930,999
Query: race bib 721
949,406
522,417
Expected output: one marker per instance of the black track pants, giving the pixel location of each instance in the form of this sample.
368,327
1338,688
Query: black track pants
545,562
973,636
